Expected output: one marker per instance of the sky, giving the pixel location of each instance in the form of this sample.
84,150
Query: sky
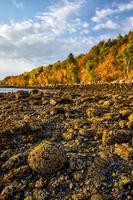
40,32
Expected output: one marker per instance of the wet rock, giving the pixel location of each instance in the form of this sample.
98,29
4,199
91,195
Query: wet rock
124,151
106,104
130,118
53,112
95,175
90,112
14,161
130,124
82,193
69,135
28,197
34,91
6,154
40,183
104,154
45,102
97,197
59,187
71,186
40,194
53,102
21,94
7,192
122,123
77,162
78,196
122,181
73,145
87,132
117,136
78,176
124,114
47,157
82,131
17,173
65,101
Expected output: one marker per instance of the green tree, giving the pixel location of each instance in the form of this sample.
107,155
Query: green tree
128,56
71,58
125,60
75,74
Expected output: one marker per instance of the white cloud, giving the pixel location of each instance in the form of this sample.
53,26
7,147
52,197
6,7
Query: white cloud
128,28
123,27
11,66
107,36
130,20
100,14
105,12
107,25
48,37
125,7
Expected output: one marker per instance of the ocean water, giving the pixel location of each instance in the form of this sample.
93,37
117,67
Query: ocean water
6,90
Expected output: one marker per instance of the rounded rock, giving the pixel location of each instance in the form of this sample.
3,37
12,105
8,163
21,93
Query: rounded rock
47,157
69,135
130,124
97,197
130,118
53,102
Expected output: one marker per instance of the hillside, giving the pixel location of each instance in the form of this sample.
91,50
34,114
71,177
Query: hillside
107,61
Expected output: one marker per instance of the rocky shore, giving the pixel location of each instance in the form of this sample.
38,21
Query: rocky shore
71,144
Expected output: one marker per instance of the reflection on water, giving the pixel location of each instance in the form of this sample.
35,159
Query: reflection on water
6,90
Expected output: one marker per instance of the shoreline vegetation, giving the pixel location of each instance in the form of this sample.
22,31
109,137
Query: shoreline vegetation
68,86
68,144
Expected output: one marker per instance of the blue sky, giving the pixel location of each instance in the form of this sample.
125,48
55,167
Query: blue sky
39,32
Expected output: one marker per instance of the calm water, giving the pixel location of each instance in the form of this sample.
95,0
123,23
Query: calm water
6,90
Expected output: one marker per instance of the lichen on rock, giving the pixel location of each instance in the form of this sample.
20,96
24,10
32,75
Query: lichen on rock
47,157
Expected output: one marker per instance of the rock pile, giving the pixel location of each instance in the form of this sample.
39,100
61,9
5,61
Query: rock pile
71,144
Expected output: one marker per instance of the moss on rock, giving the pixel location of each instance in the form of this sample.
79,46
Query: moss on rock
47,157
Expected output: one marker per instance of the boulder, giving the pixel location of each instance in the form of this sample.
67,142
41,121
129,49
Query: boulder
97,197
47,157
124,151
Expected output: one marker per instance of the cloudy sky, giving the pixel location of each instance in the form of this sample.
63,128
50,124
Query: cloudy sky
39,32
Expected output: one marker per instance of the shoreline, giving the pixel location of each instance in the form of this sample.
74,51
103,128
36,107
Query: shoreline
68,86
93,125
